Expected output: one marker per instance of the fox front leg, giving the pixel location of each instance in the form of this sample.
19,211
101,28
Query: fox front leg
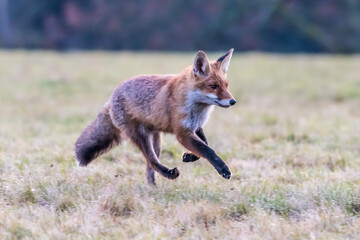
194,144
188,157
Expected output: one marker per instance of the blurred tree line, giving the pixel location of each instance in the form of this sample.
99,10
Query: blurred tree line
267,25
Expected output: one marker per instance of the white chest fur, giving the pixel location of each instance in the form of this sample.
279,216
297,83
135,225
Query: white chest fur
196,111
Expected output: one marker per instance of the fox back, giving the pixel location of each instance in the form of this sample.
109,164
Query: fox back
143,107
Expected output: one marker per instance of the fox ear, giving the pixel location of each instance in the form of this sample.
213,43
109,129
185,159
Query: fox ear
201,64
225,60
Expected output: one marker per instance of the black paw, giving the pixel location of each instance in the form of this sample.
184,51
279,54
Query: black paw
172,173
225,172
188,157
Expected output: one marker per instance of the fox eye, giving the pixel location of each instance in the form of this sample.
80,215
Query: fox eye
213,86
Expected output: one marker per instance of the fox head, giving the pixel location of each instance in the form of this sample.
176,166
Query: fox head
211,85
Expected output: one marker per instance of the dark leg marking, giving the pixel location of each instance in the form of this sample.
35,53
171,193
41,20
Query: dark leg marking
141,137
197,146
188,157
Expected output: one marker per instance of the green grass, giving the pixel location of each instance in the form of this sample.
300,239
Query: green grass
292,143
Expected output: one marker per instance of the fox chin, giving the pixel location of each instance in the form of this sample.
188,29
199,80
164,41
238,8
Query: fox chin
143,107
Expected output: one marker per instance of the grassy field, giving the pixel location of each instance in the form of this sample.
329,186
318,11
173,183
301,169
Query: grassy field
292,143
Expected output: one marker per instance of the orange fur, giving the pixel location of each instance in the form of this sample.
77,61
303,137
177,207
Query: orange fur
143,107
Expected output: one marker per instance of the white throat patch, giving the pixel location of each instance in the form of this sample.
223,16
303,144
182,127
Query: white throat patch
197,110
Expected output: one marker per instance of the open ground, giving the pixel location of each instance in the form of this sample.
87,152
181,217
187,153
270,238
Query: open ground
292,142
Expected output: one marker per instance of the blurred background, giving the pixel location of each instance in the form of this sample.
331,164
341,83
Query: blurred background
315,26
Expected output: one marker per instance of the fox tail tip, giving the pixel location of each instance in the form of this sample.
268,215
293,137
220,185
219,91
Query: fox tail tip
80,163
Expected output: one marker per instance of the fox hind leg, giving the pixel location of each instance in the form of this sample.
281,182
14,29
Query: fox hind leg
143,138
150,173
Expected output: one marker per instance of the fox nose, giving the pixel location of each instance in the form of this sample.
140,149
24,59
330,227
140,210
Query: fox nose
232,102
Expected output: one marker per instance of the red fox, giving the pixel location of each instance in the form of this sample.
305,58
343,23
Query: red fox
143,107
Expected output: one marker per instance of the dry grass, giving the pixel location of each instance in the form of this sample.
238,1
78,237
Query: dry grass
292,143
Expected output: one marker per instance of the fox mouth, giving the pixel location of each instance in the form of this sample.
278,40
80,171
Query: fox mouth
225,103
222,105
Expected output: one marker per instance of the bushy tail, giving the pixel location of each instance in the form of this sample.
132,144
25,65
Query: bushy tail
99,137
